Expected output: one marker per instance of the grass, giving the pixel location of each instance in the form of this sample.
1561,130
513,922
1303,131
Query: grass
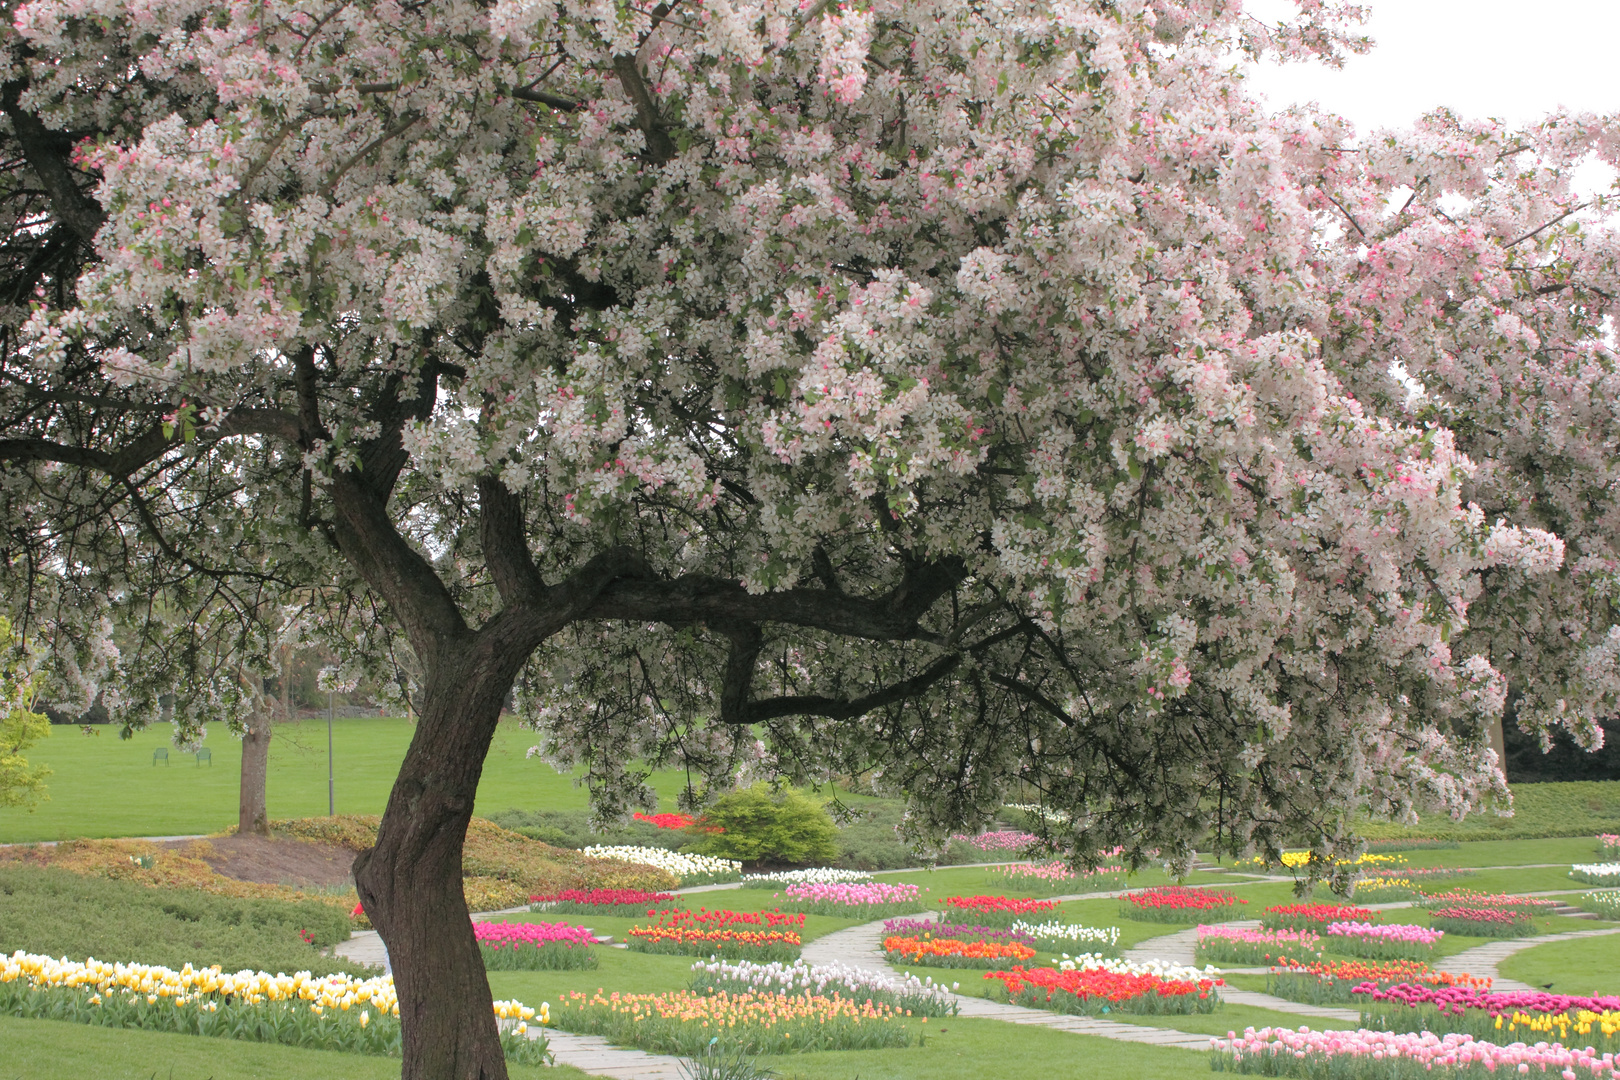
1581,808
102,786
48,1049
1582,966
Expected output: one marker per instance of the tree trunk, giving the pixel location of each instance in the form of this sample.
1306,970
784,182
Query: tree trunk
251,814
410,882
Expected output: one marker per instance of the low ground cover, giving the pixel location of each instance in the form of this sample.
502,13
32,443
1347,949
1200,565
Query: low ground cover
65,914
1576,809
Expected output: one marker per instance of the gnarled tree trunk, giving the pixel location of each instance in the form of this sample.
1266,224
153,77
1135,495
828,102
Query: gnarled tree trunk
410,881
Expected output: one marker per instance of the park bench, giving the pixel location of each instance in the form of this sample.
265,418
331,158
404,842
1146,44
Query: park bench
207,755
160,754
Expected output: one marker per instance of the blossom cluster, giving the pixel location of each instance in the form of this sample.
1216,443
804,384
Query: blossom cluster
1307,1053
921,997
691,869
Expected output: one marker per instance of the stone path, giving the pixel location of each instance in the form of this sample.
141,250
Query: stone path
1482,959
598,1057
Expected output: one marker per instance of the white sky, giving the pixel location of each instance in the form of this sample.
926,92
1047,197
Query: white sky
1482,58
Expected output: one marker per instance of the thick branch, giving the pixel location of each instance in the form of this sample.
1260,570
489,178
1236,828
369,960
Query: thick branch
659,145
836,709
47,151
506,548
738,681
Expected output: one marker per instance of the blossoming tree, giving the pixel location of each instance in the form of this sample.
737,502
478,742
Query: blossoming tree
968,395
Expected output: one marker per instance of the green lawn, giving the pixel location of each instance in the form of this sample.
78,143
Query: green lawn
1582,966
51,1049
103,786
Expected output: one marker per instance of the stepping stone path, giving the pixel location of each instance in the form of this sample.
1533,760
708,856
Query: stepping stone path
1482,959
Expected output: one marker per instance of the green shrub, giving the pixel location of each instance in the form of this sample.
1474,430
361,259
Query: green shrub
51,911
871,841
761,827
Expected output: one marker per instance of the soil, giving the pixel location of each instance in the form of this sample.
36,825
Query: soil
271,861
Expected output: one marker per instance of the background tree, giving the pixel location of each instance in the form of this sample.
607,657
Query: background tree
961,397
21,784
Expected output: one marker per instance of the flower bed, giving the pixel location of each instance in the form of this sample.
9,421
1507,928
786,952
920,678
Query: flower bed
959,931
720,934
1385,890
1467,898
1095,990
1419,874
996,841
1334,983
1178,904
955,953
535,946
1400,941
1596,873
846,901
821,875
666,821
1605,903
1382,1055
1058,937
1234,945
919,997
691,869
335,1012
1056,877
1595,1021
689,1024
1313,916
629,903
996,910
1608,844
1482,922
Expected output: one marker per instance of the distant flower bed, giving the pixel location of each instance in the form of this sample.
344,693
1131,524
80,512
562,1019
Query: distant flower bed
1059,937
1386,890
821,875
1482,922
1298,860
1178,904
1234,945
629,903
951,952
959,931
1596,873
997,841
1605,903
919,997
1057,877
1468,898
1419,873
1313,916
871,900
996,910
1377,1055
1333,983
690,1024
720,934
1096,990
1397,942
691,869
1608,844
669,821
334,1012
535,946
1499,1016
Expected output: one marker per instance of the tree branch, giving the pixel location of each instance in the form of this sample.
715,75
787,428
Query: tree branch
506,547
659,145
46,151
836,709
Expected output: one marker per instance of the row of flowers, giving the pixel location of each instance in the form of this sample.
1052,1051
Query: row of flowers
1485,1015
690,1024
334,1012
1177,904
1057,877
1596,873
820,875
624,902
1323,983
1400,941
1241,945
720,934
1313,916
996,910
1098,989
691,869
535,946
947,952
907,993
1608,844
871,900
1382,1055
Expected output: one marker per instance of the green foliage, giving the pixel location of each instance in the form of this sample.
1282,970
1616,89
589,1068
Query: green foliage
21,784
552,956
45,910
572,829
1582,808
760,827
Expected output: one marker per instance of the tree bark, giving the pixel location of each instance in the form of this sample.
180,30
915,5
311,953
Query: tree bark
251,815
410,881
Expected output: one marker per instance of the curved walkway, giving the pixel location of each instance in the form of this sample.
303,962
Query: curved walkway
1482,959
